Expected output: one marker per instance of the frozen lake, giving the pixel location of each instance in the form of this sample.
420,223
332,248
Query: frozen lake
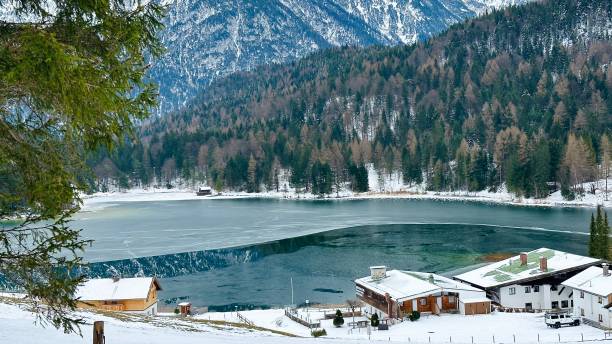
322,245
137,229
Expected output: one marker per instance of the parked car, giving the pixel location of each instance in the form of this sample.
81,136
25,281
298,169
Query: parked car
557,320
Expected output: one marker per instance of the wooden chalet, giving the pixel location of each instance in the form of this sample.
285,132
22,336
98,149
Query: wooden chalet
395,294
138,295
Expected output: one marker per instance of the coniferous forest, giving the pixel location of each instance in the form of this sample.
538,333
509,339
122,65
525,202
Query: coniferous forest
518,98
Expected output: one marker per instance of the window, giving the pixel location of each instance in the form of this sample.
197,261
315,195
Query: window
564,304
423,301
572,302
581,294
527,290
511,291
582,311
554,304
528,306
536,288
599,299
553,287
600,318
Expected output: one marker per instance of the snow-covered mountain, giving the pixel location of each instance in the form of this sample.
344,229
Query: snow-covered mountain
207,39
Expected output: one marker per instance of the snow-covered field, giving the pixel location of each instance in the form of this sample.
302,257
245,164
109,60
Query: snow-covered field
16,326
447,328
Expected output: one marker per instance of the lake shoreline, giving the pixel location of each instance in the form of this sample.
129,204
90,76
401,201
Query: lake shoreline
503,198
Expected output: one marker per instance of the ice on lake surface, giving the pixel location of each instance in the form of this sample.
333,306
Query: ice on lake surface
136,229
422,235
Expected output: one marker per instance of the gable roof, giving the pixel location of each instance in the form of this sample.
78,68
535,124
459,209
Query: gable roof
591,281
442,282
403,285
510,271
122,289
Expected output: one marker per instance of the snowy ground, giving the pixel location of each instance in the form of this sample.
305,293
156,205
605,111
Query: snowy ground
383,187
506,327
16,326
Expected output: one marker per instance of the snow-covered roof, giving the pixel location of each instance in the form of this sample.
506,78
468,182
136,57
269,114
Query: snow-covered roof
110,289
474,300
591,281
442,282
398,285
510,271
402,285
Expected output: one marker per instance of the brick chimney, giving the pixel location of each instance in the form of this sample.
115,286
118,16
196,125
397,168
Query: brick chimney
523,258
543,264
606,269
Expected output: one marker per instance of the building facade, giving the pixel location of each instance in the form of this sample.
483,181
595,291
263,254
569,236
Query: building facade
396,294
136,295
530,281
592,295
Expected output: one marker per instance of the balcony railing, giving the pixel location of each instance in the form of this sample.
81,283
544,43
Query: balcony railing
117,307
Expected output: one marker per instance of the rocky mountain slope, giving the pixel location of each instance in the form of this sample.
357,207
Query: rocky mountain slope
207,39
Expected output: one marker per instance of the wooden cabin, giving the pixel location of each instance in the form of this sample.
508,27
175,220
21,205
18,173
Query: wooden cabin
204,191
396,294
138,295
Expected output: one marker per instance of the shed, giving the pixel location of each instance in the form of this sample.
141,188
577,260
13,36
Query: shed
474,306
185,308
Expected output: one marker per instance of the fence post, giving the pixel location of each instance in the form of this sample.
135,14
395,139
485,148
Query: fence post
450,339
493,339
538,337
513,338
98,332
472,339
559,334
582,336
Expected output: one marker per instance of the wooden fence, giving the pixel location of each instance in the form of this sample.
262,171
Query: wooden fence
244,319
301,320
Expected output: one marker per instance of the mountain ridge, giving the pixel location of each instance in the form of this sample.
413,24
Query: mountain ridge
209,39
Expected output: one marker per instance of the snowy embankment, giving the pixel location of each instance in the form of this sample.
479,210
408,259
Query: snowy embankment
380,186
17,326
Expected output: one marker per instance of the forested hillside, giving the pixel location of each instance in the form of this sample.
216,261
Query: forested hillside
209,39
519,97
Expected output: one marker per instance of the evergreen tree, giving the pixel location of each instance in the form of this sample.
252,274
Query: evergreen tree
599,241
592,237
605,239
252,184
374,320
72,80
338,319
360,181
599,223
322,178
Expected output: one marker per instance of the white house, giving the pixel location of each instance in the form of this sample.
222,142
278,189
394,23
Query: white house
531,280
593,294
395,294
